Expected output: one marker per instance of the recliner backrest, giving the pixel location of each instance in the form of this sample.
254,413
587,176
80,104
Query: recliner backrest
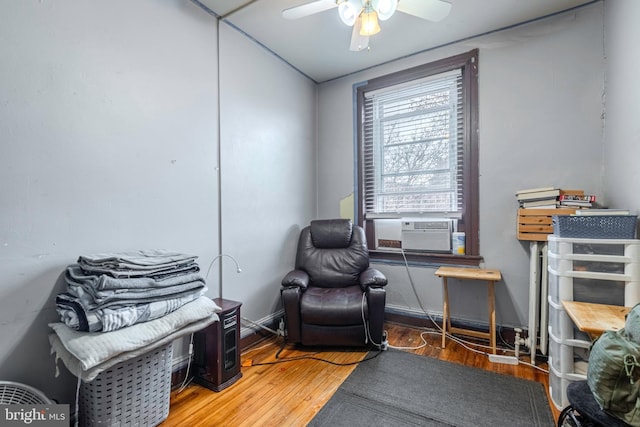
333,252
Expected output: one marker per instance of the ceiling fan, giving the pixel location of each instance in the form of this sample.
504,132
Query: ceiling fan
363,15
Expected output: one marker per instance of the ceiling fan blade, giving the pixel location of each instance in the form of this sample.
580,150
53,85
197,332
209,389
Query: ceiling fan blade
431,10
307,9
358,42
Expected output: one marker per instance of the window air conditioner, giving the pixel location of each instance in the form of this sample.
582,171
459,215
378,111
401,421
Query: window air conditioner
427,234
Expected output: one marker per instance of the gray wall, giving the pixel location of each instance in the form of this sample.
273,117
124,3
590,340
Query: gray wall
622,124
109,138
540,124
110,142
268,135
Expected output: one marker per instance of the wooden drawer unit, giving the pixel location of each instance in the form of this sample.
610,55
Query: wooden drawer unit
536,225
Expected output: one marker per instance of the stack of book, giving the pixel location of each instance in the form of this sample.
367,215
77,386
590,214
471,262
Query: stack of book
552,198
538,198
576,198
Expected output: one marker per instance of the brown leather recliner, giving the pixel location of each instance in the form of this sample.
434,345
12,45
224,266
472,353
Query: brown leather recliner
333,297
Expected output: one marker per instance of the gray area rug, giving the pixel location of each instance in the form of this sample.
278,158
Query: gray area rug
403,389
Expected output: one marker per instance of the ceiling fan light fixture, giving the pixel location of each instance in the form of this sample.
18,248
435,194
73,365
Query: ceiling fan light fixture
384,8
370,25
349,11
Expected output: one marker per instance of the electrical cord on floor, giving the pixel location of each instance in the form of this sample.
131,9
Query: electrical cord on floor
424,310
249,363
466,344
424,343
310,357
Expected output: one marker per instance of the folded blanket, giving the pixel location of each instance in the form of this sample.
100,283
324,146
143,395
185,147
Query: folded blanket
77,315
141,258
154,272
93,299
137,264
75,276
87,354
75,366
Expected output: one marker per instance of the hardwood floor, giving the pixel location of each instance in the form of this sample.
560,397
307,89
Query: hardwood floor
273,392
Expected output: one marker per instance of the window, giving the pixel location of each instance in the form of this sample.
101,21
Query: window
417,147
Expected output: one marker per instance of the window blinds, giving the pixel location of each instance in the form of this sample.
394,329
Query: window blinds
413,146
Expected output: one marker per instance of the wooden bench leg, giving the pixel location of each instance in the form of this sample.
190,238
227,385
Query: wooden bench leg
446,321
492,317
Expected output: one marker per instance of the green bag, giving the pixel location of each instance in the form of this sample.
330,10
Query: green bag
632,324
613,375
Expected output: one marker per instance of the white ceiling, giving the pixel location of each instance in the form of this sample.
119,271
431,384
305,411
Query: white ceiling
318,45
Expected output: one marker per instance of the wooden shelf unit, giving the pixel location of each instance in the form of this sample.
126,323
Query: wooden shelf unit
536,224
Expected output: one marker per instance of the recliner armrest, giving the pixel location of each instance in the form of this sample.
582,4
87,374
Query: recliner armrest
296,278
372,277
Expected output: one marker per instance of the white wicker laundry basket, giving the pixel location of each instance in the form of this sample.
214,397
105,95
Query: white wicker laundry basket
135,392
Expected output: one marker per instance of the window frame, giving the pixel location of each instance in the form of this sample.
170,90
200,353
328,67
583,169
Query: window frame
469,223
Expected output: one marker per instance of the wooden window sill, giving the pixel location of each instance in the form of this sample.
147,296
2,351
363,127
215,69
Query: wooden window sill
424,258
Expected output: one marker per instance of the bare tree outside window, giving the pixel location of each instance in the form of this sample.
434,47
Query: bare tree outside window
417,166
413,135
417,144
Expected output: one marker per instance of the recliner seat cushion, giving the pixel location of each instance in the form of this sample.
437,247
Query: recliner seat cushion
324,306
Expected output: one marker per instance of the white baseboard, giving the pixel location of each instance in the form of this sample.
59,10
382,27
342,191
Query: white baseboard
178,362
267,321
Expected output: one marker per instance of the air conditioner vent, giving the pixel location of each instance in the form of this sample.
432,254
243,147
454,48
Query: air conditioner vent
427,225
427,235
